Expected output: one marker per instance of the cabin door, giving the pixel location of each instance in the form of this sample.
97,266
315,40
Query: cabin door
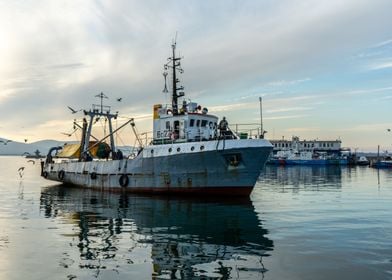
182,129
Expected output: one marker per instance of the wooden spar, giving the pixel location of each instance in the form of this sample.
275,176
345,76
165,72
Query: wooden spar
82,142
136,135
100,141
85,132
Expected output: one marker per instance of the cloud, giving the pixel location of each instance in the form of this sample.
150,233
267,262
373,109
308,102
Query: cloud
59,53
369,127
377,57
287,83
303,129
365,91
380,65
230,107
383,43
287,109
286,117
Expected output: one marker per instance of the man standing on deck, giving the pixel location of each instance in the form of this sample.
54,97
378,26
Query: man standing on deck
223,125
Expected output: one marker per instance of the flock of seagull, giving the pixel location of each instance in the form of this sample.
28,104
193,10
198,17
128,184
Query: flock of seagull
22,168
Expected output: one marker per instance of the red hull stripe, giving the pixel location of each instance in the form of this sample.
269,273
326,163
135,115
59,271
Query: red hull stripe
197,191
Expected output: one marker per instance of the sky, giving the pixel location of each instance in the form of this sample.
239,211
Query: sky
323,68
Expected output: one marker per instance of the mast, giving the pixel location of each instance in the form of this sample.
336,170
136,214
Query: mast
261,118
175,65
97,112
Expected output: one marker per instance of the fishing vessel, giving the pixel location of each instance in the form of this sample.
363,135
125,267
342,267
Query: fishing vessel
188,153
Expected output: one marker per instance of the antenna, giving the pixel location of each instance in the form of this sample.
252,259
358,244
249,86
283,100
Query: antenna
102,96
175,39
165,76
174,64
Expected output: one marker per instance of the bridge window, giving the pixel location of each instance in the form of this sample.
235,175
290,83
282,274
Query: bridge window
197,123
192,123
204,123
167,125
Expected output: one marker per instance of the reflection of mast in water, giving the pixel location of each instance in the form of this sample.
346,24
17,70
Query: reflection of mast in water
182,237
378,177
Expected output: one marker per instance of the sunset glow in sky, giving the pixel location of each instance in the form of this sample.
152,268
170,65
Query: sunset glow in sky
323,68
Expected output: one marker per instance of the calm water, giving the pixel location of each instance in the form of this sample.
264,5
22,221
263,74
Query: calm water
299,223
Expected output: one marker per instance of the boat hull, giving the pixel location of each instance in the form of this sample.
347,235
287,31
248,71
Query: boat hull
228,167
308,161
382,164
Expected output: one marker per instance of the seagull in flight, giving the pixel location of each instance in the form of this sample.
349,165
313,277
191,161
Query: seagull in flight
73,111
119,99
67,134
388,129
5,142
20,170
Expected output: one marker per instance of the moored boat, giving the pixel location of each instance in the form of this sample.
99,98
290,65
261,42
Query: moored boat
37,154
383,163
363,161
189,152
302,152
289,157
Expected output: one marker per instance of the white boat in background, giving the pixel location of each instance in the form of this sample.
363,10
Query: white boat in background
362,160
296,152
290,157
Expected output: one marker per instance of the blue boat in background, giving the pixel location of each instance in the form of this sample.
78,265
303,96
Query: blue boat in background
383,163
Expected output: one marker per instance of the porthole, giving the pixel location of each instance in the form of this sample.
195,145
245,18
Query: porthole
192,148
178,149
170,150
201,147
152,151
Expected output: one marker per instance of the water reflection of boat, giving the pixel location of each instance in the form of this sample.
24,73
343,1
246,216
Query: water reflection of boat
183,238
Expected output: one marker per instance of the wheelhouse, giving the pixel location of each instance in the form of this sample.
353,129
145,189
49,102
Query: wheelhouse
191,124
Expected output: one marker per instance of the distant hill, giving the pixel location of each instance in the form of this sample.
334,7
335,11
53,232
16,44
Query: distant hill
18,148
